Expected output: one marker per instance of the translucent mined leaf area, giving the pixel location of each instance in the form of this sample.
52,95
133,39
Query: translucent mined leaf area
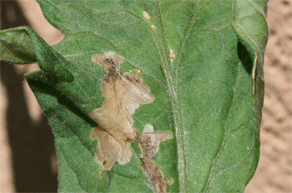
203,63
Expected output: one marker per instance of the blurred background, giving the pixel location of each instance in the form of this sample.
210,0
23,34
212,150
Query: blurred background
28,161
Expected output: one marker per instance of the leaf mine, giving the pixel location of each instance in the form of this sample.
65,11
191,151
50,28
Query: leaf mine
123,95
149,143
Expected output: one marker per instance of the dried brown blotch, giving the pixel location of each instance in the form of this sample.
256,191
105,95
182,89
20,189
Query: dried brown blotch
123,95
110,150
149,144
111,62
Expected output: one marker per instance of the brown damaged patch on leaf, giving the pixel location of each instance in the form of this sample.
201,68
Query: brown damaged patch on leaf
149,144
123,95
110,150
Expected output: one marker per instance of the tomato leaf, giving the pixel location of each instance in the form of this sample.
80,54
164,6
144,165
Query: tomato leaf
203,61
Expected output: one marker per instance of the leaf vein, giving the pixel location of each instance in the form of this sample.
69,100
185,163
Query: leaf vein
214,165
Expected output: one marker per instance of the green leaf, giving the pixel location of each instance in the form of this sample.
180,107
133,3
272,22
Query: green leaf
16,47
203,62
49,60
253,34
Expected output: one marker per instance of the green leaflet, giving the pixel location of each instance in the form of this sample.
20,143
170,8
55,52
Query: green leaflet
16,47
22,45
203,62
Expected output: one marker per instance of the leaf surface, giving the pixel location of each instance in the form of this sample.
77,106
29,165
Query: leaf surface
203,63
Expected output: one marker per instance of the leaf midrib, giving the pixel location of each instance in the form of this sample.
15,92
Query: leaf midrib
173,91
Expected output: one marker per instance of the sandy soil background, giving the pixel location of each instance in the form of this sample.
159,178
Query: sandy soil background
28,160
